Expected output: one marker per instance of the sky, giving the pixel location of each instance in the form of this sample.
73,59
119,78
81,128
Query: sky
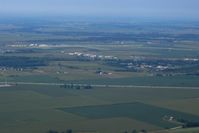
132,8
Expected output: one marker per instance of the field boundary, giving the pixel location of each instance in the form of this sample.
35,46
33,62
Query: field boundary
98,85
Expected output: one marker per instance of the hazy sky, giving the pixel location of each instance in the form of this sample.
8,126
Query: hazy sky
134,8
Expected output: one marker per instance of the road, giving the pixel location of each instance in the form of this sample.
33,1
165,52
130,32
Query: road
2,84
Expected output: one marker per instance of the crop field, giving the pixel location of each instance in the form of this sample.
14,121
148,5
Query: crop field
94,110
137,111
92,77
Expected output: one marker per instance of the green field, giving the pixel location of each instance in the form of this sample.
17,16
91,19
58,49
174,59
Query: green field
36,108
98,77
138,111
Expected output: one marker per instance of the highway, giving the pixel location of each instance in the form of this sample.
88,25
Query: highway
8,84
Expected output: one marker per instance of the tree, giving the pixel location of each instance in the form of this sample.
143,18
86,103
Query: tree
134,131
143,131
71,86
69,131
52,131
77,87
88,87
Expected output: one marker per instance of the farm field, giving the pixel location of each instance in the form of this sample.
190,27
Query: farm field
98,77
93,110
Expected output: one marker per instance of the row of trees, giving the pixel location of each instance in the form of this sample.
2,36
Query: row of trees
67,131
71,131
74,86
188,124
136,131
22,62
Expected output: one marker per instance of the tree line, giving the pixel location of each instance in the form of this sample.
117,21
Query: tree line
75,86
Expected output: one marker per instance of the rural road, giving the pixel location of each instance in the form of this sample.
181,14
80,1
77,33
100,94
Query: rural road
2,84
